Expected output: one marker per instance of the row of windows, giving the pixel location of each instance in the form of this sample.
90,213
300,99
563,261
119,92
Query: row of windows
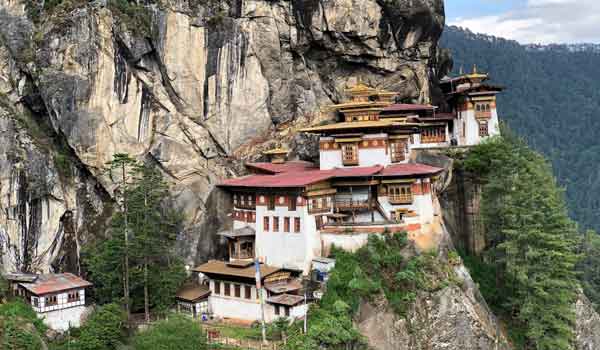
291,202
433,134
482,107
286,224
400,194
398,152
233,290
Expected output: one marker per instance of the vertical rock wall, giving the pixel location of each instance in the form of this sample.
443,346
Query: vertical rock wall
206,86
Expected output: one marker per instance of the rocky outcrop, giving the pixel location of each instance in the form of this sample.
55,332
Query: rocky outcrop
587,326
454,316
195,87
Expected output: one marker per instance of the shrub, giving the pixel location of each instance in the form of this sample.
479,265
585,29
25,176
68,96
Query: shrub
176,333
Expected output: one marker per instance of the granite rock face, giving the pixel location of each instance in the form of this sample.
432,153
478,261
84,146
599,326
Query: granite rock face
197,90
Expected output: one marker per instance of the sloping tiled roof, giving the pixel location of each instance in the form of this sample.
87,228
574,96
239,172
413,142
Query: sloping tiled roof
192,292
303,178
286,299
355,171
283,286
245,231
222,268
289,179
275,168
409,169
53,283
405,107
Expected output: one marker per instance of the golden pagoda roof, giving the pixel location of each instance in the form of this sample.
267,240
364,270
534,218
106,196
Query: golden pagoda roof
358,125
278,150
361,89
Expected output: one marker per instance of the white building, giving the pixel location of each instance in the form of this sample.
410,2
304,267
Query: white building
473,104
58,299
289,214
192,299
234,295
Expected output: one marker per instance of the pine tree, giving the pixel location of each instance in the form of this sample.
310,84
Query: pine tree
534,241
140,246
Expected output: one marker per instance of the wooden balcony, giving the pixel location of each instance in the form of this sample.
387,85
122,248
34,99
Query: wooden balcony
345,205
245,205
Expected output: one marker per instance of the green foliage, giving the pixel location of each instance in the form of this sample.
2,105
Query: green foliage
552,98
176,333
104,330
20,329
375,269
532,242
151,228
3,288
589,267
137,17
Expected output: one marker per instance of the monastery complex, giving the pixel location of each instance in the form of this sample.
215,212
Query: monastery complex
287,215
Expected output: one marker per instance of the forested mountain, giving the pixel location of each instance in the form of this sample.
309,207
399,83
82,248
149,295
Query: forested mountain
552,99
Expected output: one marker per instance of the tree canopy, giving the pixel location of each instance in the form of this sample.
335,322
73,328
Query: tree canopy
552,98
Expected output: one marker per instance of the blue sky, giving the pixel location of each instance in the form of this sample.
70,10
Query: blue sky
529,21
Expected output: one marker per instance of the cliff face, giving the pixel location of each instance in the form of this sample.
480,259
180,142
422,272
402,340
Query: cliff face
195,87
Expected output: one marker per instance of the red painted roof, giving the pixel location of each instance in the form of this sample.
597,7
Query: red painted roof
307,177
401,107
410,169
281,167
289,179
53,283
356,171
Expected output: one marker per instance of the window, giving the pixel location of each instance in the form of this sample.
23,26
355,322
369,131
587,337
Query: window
271,203
217,287
287,310
398,150
483,128
277,310
246,250
296,225
203,307
72,297
35,302
433,134
350,154
292,203
226,287
51,300
400,194
286,224
237,290
275,223
266,224
247,292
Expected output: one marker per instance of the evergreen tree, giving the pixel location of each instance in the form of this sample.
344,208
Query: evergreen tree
533,241
140,245
120,170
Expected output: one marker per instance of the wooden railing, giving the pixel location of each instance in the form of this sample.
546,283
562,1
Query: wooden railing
401,199
349,204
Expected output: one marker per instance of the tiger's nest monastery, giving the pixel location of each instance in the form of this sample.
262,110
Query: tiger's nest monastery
288,214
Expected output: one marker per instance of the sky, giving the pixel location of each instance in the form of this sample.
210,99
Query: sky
529,21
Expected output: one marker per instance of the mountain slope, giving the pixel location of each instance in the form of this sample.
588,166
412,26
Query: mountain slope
552,99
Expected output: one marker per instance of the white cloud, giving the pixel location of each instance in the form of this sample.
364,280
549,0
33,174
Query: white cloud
542,21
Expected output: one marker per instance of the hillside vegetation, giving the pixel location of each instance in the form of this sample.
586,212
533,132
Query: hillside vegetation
552,99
